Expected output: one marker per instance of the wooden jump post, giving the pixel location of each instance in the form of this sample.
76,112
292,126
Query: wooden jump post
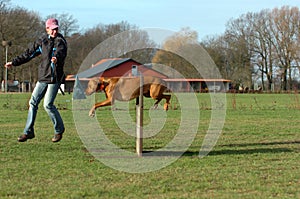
139,113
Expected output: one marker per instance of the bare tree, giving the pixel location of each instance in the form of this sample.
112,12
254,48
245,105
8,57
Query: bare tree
284,27
182,52
260,43
20,27
108,41
231,53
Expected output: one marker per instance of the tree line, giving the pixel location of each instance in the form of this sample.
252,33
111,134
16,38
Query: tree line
256,48
261,47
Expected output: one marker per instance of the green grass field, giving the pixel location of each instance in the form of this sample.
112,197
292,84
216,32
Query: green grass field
256,156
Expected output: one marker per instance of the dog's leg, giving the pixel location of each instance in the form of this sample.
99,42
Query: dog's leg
156,103
166,105
106,102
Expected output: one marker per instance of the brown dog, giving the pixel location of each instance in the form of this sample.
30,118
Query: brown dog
127,88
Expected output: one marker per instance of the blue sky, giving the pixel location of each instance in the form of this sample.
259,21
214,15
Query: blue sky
207,17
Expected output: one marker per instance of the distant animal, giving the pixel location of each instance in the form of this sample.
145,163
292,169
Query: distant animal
126,89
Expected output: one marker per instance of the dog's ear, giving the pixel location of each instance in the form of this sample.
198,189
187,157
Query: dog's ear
102,83
103,80
106,80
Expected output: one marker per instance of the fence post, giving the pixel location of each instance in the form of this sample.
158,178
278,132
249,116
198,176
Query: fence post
139,118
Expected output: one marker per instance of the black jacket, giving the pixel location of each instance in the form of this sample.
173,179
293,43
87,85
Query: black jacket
47,47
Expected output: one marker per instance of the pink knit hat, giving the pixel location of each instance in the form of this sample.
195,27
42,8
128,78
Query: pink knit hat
52,23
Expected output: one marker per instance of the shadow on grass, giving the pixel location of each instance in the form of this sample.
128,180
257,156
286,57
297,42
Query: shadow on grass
261,144
250,151
238,149
218,152
235,151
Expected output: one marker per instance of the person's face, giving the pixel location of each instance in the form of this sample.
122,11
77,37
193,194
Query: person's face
52,32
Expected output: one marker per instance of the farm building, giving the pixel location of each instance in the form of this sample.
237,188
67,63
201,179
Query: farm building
126,67
198,85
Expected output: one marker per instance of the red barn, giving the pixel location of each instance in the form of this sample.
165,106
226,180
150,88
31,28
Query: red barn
114,67
117,67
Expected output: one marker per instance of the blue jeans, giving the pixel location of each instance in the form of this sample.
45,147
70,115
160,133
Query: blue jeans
49,91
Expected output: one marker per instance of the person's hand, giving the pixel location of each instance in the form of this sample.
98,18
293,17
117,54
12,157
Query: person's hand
8,65
54,60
